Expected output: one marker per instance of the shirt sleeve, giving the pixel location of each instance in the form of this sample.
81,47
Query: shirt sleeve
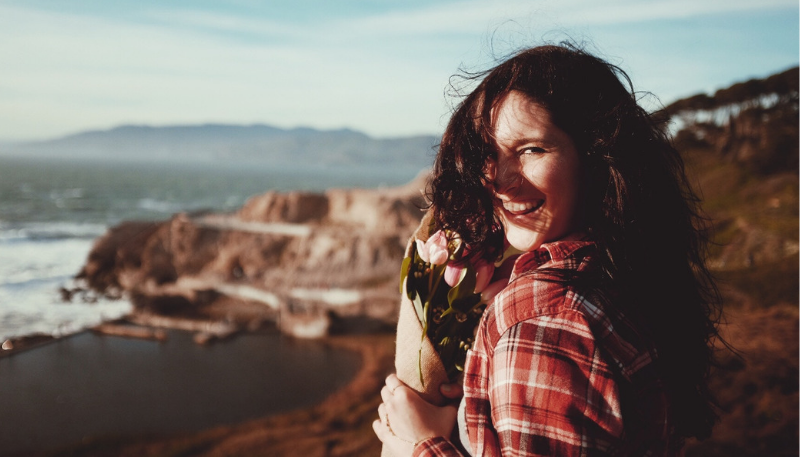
551,393
436,447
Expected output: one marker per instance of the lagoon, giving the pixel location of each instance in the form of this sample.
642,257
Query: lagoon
88,386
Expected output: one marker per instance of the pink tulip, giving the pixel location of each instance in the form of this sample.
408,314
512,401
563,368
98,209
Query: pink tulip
423,253
436,249
483,274
452,273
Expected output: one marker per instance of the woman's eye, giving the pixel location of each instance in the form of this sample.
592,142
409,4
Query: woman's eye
532,150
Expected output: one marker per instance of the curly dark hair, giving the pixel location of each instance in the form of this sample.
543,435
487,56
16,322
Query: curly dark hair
638,204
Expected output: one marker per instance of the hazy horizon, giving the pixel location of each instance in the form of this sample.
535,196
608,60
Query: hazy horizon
373,67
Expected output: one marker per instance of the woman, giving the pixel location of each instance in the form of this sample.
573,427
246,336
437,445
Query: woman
602,341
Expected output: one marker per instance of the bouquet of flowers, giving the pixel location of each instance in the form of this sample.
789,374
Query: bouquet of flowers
444,293
443,296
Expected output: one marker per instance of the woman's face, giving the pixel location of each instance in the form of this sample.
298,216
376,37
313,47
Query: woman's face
537,177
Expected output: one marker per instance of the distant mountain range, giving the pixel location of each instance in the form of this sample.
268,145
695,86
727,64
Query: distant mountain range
700,117
251,143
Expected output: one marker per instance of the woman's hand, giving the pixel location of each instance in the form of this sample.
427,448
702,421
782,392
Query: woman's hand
405,419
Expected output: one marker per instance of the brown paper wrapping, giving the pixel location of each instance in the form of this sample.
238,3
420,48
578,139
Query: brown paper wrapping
408,358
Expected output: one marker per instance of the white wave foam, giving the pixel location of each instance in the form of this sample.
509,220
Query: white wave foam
31,272
31,261
49,230
40,311
159,206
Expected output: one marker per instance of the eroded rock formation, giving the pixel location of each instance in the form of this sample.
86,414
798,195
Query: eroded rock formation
296,253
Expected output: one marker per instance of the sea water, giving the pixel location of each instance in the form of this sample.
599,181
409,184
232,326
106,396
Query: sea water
88,387
51,211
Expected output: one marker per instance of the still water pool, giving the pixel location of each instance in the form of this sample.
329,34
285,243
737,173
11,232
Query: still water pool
88,386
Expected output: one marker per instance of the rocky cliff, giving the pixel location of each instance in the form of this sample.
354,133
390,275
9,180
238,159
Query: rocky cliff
301,255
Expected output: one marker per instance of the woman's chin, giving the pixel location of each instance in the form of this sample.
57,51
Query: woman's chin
525,242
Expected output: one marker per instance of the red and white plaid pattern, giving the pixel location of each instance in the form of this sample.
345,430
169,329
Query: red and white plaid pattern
557,371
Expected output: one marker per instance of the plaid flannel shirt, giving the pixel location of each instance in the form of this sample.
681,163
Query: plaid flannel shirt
556,370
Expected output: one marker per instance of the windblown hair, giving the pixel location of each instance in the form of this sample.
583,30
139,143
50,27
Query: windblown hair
638,206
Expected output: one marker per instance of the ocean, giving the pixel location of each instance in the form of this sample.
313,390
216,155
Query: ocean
51,211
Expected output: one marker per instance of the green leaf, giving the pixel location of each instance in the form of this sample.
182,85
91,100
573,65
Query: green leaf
448,311
404,268
424,333
419,366
424,319
411,287
419,308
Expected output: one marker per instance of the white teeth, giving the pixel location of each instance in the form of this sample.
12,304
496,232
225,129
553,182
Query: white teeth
514,207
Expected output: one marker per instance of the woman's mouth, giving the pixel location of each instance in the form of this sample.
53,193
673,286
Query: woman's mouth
522,208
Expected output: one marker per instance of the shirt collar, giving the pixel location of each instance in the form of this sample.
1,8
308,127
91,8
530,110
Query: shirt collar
553,252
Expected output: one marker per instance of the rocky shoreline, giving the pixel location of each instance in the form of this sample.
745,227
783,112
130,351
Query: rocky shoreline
312,264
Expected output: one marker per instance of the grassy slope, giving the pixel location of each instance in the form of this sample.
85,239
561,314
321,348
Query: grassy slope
756,262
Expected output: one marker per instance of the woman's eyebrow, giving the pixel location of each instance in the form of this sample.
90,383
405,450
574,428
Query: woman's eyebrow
542,140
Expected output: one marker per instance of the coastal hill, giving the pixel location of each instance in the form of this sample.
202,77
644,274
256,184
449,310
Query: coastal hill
249,143
741,150
321,263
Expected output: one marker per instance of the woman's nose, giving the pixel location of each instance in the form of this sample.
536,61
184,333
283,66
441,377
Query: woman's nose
506,177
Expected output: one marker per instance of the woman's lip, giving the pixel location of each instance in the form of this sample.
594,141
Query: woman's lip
522,208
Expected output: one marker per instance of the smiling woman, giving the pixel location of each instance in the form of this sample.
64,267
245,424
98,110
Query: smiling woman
601,342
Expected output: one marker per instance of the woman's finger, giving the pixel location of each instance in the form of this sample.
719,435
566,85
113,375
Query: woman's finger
380,430
393,383
386,394
452,391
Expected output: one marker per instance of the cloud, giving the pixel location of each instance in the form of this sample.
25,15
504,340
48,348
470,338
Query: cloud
97,72
215,23
476,15
382,72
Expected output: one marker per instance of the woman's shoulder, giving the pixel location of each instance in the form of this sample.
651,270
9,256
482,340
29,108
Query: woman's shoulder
543,283
556,286
542,280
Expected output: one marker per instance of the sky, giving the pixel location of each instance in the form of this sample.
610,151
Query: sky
377,66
